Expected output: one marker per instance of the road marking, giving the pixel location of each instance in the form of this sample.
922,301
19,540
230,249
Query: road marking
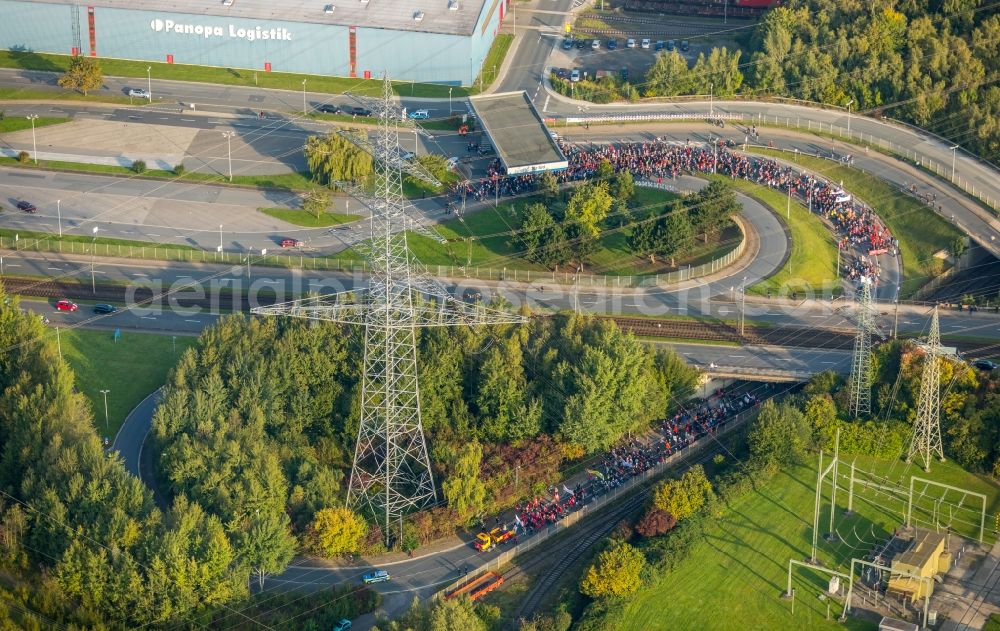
272,282
188,120
138,273
827,362
738,356
198,321
148,317
817,316
152,234
723,310
136,117
546,106
164,118
13,265
56,268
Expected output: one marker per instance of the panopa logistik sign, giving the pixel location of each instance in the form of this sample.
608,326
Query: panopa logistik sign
250,34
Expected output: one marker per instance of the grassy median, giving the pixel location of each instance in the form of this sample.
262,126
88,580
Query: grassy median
299,217
922,233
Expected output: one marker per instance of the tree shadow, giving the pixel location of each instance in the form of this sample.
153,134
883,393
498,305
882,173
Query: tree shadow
26,59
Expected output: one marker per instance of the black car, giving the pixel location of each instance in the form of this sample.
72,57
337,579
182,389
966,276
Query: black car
984,364
581,44
27,207
612,44
326,108
567,44
102,308
685,46
359,111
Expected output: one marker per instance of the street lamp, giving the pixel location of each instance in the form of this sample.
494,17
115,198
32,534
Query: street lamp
711,100
229,152
953,149
849,103
93,253
149,83
220,237
34,145
304,112
449,101
59,214
105,393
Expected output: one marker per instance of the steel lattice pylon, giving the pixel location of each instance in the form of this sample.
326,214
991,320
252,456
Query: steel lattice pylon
391,474
861,366
926,440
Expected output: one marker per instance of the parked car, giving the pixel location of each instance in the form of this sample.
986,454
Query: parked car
102,308
596,44
66,305
472,295
26,206
644,43
419,115
327,108
378,576
567,44
343,625
292,243
685,46
407,155
630,43
575,75
562,73
658,46
359,111
671,44
984,364
140,93
581,44
612,44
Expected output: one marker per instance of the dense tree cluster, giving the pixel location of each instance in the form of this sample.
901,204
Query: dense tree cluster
932,64
333,158
108,555
256,422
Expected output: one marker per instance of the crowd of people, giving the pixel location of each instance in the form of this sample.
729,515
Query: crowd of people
632,458
861,235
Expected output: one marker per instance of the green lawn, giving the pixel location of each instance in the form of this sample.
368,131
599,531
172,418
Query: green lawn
130,368
300,217
741,567
19,123
226,76
921,232
494,59
25,235
812,253
27,94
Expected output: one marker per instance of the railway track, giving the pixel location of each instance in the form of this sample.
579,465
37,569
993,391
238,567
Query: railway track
804,337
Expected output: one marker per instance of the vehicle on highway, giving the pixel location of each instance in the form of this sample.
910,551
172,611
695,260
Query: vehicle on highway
489,540
644,43
139,93
420,115
66,305
567,44
612,44
671,44
581,44
292,243
595,44
378,576
575,75
327,108
685,46
26,206
358,111
630,43
658,46
984,364
103,308
343,625
406,155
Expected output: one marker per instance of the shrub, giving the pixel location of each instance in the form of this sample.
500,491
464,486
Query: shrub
655,522
139,166
179,169
23,157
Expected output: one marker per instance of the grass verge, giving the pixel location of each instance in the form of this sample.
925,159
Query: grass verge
740,567
306,219
227,76
493,62
812,253
24,235
921,232
19,123
27,94
130,368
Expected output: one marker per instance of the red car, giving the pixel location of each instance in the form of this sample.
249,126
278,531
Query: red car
66,305
292,243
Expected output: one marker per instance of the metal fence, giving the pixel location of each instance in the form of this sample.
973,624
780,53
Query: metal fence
336,264
541,536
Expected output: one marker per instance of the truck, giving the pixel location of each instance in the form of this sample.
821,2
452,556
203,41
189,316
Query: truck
489,540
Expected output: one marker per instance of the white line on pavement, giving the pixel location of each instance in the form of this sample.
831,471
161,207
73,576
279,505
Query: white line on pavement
198,321
56,268
148,317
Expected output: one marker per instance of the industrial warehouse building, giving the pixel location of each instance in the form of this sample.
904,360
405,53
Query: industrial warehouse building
440,41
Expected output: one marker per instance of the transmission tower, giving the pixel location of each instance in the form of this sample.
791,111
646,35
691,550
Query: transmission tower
926,440
391,474
861,373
